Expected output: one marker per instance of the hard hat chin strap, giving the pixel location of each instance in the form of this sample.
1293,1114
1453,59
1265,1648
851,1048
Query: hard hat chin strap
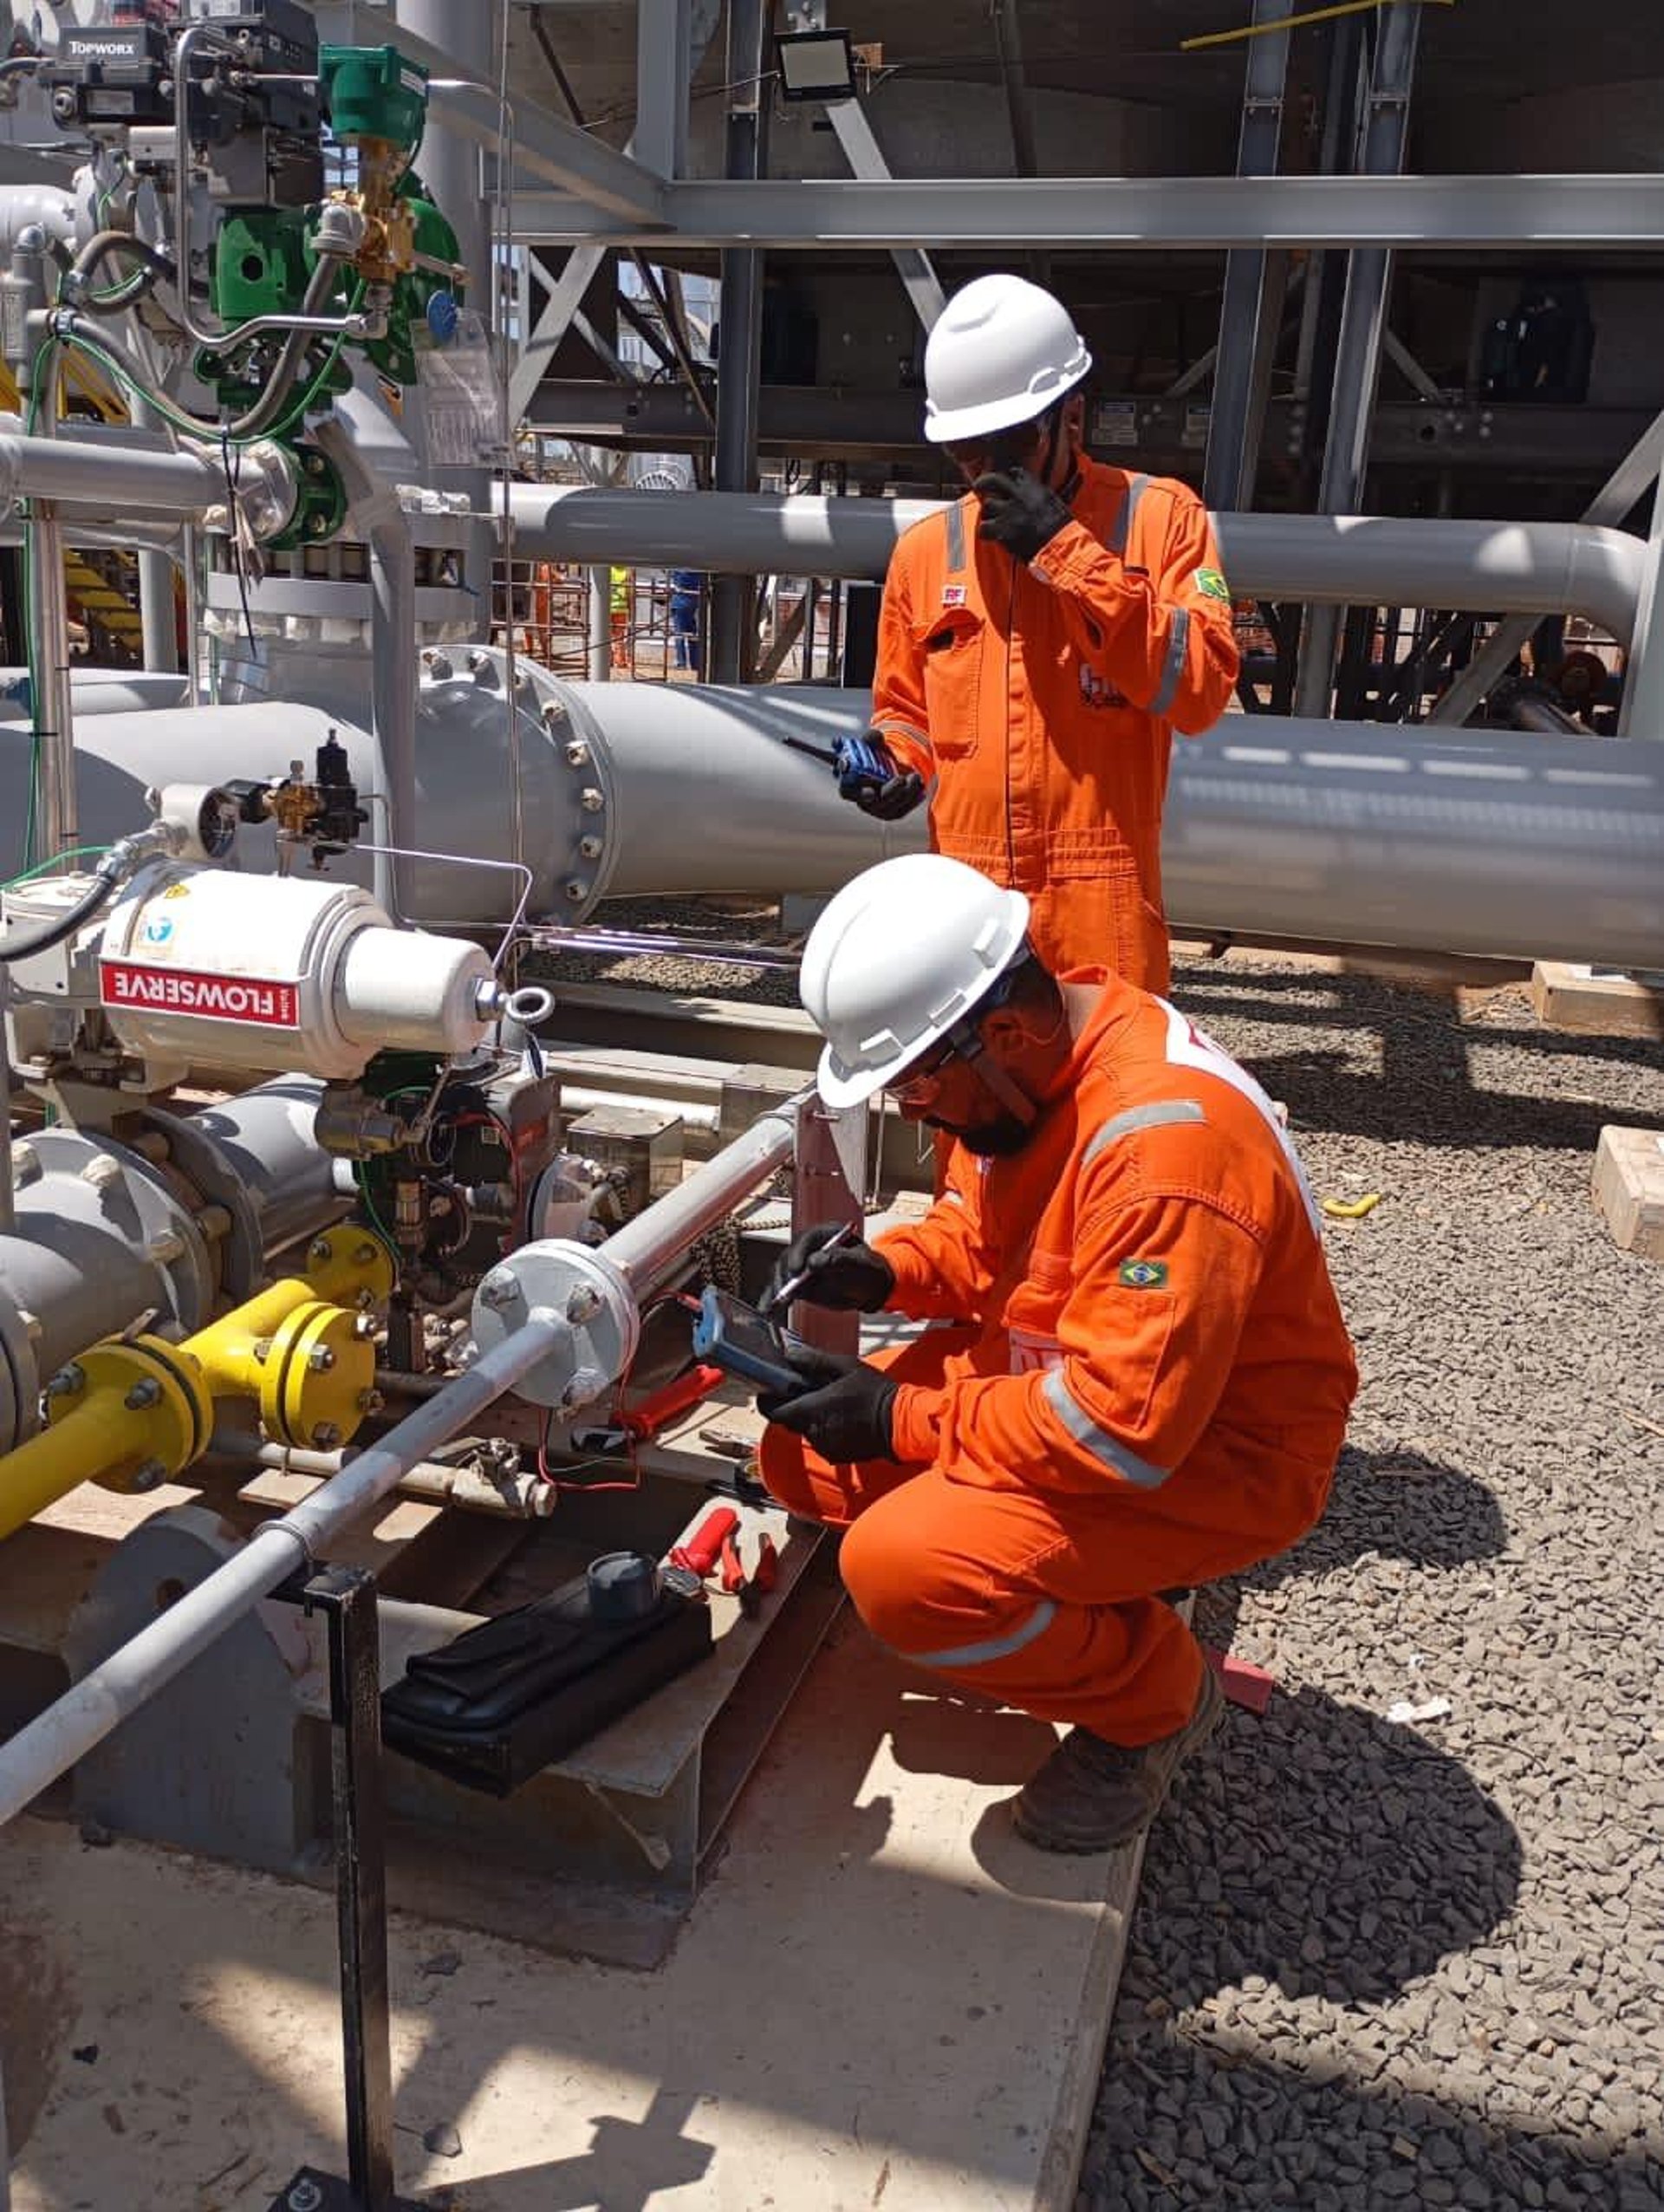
967,1041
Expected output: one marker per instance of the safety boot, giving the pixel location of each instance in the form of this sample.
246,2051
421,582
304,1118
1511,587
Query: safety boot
1092,1795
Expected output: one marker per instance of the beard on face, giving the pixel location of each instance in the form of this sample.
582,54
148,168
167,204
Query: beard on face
993,1139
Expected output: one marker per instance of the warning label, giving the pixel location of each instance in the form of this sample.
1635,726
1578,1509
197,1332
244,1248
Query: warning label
210,997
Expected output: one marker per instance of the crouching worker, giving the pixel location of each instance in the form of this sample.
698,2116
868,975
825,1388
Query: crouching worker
1154,1386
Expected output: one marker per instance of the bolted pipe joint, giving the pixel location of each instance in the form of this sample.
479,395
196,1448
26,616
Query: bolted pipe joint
601,1323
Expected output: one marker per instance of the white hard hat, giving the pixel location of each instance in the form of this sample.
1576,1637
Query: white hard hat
1001,353
900,956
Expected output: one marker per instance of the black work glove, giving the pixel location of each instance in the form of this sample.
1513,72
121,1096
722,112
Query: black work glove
1018,512
868,777
843,1408
853,1279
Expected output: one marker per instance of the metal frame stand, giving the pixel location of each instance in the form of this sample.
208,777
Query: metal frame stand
347,1598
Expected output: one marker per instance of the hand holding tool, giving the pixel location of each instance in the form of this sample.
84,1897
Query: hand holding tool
869,778
829,1265
843,1407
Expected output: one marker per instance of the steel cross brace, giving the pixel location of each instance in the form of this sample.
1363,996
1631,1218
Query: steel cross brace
346,1597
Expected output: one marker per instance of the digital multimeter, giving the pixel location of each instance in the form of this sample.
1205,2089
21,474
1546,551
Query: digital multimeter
736,1337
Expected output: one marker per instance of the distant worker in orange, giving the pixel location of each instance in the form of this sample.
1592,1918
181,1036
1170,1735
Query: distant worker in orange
1040,641
1154,1385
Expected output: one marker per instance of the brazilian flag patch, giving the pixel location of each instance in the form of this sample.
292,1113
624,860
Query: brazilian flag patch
1211,584
1143,1274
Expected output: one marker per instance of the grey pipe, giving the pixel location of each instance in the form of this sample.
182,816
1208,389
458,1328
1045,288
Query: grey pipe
1491,845
449,166
132,1674
108,477
159,631
1363,560
82,1259
392,638
647,1249
101,691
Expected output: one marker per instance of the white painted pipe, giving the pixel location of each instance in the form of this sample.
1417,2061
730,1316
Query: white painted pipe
1362,560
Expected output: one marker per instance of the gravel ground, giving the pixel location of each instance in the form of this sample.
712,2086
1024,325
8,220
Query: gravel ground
1418,1963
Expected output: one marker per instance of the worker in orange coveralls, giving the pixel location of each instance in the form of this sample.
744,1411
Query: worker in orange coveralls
1153,1386
1040,641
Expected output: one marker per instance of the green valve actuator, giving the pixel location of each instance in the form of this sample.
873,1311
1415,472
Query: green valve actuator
373,92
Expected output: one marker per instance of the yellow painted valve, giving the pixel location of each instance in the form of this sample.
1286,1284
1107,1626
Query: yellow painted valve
133,1412
130,1414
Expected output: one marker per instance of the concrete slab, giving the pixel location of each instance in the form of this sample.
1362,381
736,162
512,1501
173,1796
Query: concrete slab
1629,1188
1595,1002
883,1998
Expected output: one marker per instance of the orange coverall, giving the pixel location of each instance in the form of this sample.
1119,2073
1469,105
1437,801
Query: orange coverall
1152,1394
1039,704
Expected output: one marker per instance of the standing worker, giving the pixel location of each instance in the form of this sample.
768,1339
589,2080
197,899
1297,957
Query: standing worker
619,607
1154,1387
1041,640
686,588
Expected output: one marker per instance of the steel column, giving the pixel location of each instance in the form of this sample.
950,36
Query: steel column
822,1189
347,1598
159,628
739,363
1357,365
598,609
1248,314
663,66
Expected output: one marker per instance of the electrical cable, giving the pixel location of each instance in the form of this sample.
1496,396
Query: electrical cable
75,852
23,944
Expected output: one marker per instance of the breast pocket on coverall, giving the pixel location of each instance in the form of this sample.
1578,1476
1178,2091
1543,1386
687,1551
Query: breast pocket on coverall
952,644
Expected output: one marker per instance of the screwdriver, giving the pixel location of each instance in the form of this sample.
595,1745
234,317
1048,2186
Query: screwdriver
794,1285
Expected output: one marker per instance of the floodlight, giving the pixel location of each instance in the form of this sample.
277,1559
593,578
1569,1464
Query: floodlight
814,64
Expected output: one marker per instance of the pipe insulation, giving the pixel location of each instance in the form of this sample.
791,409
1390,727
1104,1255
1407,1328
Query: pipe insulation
178,1216
1359,560
1494,846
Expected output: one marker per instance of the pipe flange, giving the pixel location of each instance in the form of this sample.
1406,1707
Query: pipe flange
318,1379
350,1264
131,1200
199,1155
603,1324
20,1376
164,1401
584,850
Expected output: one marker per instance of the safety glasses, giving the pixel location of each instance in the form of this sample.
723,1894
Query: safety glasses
963,1041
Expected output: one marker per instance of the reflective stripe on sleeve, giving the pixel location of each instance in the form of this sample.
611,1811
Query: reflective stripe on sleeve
1174,667
1122,524
996,1647
1107,1450
1157,1114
